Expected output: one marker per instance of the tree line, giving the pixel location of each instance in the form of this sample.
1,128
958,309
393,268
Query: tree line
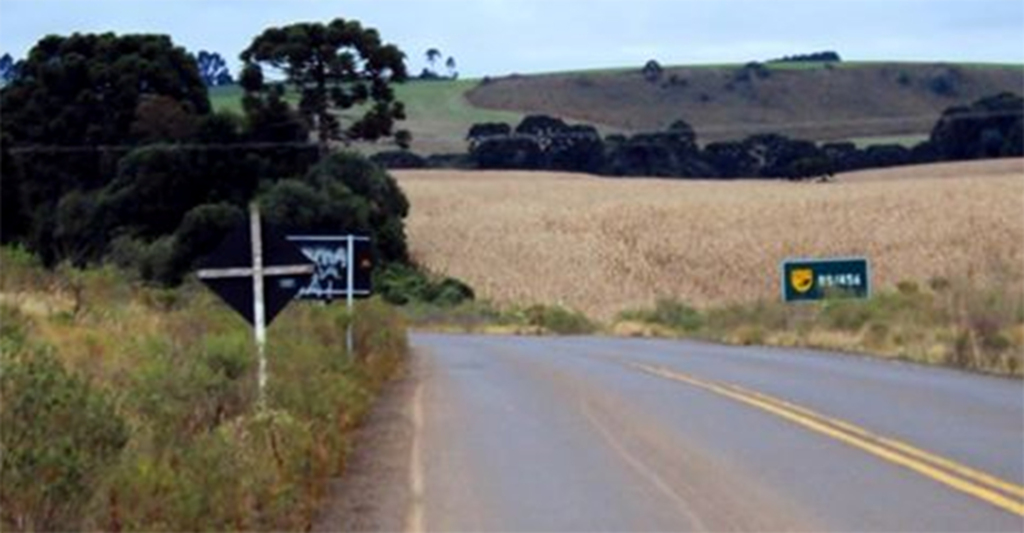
813,57
988,128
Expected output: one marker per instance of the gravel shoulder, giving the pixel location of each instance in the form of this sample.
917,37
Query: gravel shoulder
374,493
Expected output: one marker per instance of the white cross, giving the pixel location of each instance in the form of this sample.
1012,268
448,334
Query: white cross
257,271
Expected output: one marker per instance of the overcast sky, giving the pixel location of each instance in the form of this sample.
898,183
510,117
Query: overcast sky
496,37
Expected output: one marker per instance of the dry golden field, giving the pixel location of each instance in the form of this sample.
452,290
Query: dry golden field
603,245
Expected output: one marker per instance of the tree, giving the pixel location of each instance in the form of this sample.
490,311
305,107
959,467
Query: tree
511,152
543,128
340,64
652,71
450,65
730,159
73,95
159,118
986,128
7,68
213,69
344,192
403,138
432,55
486,130
86,89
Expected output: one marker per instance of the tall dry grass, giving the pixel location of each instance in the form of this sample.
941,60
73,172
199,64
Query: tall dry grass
605,245
129,408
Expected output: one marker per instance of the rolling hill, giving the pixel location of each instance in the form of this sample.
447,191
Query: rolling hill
863,102
816,101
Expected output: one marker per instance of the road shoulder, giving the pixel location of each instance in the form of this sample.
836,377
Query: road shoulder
374,494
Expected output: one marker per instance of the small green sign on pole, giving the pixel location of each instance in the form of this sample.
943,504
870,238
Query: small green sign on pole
815,279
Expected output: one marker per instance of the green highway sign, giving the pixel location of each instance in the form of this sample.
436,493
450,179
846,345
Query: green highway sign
815,279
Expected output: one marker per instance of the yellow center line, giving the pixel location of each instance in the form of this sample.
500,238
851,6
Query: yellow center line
908,449
942,470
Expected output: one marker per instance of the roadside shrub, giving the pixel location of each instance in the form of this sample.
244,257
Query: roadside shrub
671,313
846,315
399,159
772,316
449,292
467,317
403,284
60,435
558,320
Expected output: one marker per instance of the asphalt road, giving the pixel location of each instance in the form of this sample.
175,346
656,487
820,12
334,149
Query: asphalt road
596,434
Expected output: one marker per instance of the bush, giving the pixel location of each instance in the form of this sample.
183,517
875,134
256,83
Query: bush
398,159
670,313
60,436
402,284
846,315
558,320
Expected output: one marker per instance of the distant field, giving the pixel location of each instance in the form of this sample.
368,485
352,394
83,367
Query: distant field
604,245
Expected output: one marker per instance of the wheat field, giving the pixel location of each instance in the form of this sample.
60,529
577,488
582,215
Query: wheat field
601,245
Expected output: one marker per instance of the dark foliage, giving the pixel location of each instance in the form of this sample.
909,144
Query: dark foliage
652,71
538,142
730,159
403,284
343,193
213,69
814,57
512,152
487,130
85,89
990,127
7,68
398,159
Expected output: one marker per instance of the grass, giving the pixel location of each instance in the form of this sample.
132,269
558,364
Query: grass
486,317
167,434
601,246
438,114
966,323
226,98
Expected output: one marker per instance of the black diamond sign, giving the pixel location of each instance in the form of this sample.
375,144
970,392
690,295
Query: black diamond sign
230,270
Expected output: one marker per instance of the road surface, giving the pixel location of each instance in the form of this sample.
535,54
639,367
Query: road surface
602,434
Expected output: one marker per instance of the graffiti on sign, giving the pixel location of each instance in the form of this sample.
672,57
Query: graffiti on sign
330,256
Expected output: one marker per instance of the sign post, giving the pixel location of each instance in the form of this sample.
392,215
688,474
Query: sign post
349,287
816,279
333,254
238,272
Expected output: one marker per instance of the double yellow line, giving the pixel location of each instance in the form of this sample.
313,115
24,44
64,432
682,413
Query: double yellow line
1000,493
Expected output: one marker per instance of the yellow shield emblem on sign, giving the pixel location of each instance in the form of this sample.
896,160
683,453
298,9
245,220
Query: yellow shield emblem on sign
801,279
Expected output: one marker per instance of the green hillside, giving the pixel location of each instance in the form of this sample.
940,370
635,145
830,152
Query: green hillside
438,113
